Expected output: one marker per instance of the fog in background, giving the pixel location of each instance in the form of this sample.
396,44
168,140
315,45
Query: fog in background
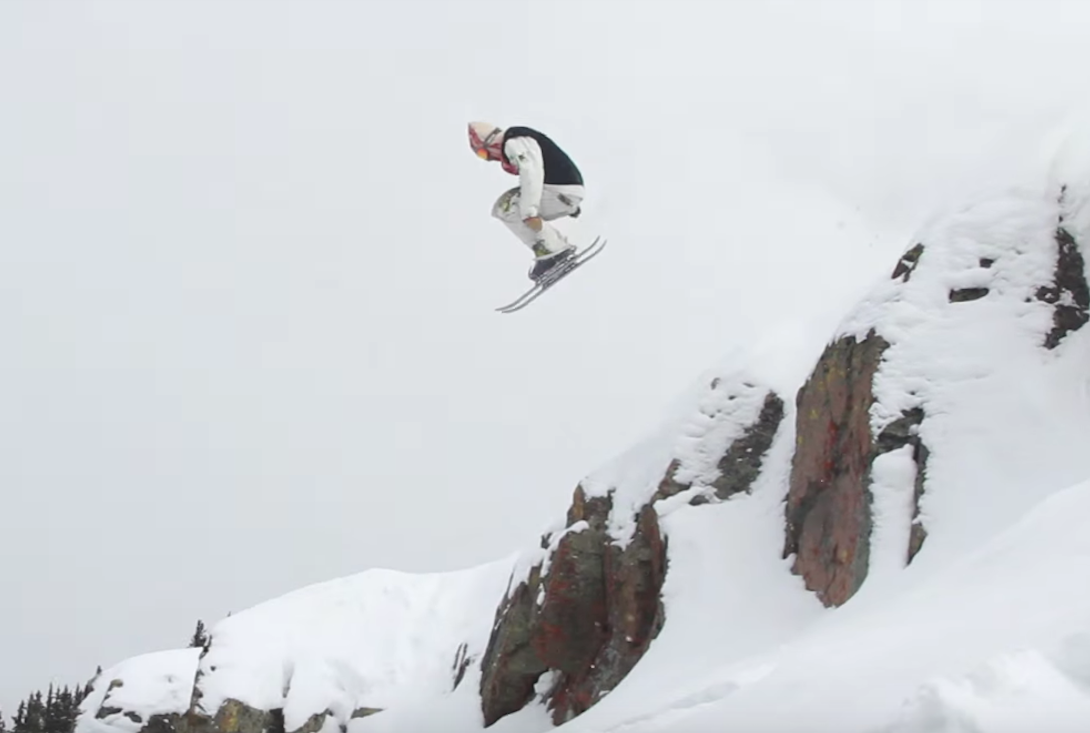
247,269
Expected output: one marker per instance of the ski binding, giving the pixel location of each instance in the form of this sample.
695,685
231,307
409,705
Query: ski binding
556,275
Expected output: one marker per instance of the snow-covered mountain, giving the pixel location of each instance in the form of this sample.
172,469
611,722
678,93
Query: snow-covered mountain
873,524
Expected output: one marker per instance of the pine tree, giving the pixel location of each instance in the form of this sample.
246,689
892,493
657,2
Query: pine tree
60,712
67,711
73,709
49,713
34,718
38,720
56,712
200,637
19,722
3,725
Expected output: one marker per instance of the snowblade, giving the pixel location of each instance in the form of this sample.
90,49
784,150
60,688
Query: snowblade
581,258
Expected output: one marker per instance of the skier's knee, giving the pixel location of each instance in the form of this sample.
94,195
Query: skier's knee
506,206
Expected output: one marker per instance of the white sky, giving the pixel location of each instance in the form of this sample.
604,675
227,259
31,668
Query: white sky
247,270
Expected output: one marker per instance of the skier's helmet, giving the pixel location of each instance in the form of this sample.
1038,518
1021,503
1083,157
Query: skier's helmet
485,139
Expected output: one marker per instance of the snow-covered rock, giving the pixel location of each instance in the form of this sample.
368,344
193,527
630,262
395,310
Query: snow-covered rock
149,692
335,652
973,308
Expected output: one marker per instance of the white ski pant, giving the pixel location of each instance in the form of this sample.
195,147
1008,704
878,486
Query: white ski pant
556,202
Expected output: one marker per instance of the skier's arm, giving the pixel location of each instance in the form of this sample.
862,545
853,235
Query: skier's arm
526,154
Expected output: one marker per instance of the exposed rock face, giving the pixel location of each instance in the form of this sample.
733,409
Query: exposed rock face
587,619
583,617
633,579
901,432
741,464
907,263
964,295
1068,293
162,724
237,717
462,660
555,619
828,503
510,666
234,717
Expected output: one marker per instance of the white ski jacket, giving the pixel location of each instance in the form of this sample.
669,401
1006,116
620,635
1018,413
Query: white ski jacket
525,154
540,164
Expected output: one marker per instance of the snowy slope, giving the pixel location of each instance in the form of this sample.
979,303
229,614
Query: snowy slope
346,647
996,641
973,632
987,630
375,640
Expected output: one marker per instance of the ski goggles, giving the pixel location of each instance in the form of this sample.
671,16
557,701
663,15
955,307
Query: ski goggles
481,146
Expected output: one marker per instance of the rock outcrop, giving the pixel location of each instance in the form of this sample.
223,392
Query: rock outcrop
582,618
1068,293
145,694
585,617
828,503
234,716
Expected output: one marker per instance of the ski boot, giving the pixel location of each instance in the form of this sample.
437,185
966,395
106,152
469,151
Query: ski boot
546,261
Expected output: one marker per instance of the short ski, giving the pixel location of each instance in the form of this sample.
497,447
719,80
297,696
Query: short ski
554,276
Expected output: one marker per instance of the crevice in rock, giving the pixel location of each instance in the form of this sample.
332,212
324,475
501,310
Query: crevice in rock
964,295
899,433
593,510
918,532
670,486
274,720
462,660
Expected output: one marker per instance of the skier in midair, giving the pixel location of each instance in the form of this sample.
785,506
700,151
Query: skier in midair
550,187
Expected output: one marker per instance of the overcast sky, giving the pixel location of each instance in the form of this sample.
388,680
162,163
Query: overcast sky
247,269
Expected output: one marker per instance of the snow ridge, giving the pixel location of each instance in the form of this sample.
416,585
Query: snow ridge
374,640
124,697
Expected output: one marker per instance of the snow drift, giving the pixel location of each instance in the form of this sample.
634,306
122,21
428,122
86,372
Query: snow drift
867,524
